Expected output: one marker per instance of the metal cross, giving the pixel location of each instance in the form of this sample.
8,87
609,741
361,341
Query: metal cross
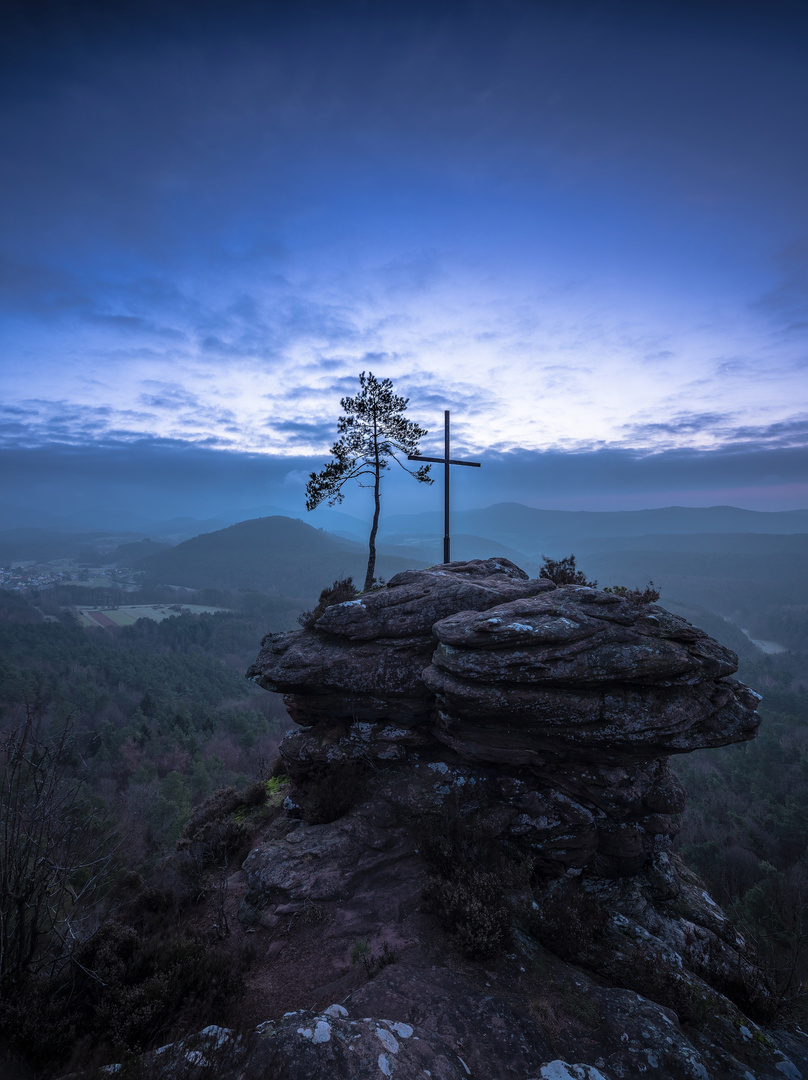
446,461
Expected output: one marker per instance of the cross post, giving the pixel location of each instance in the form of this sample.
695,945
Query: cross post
446,461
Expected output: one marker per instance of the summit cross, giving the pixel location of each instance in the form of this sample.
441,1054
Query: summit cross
446,461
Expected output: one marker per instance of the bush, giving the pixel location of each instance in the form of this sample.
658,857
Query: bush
121,991
648,595
564,572
54,848
342,589
470,906
471,874
372,962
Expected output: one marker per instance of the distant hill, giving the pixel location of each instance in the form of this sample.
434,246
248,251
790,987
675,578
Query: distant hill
729,581
276,555
538,532
759,545
464,546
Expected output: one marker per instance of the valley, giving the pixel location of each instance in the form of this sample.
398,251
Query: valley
140,645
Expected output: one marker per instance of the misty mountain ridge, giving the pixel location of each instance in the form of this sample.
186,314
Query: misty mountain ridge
527,528
524,528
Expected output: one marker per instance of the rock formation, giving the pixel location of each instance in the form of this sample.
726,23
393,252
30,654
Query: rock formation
561,703
506,745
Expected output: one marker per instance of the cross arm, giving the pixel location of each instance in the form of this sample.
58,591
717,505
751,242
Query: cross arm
442,461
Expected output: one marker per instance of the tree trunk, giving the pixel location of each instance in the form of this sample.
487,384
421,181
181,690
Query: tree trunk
370,575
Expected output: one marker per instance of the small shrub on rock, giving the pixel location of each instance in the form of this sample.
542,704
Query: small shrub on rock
342,589
564,572
372,962
471,874
470,906
648,595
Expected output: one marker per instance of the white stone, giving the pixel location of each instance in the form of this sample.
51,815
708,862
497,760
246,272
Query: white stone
404,1031
387,1039
560,1070
788,1069
322,1032
384,1065
336,1010
220,1034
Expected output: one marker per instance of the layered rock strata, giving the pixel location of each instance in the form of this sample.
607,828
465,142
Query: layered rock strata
523,731
558,705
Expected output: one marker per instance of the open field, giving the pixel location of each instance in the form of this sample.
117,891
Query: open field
129,614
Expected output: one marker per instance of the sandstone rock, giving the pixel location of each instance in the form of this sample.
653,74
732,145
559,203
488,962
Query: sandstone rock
415,599
579,693
491,709
528,726
322,1046
372,671
364,659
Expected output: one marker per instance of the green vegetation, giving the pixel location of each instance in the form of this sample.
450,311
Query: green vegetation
372,962
564,572
161,712
142,976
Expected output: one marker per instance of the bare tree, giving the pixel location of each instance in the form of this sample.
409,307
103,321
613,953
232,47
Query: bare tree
372,433
54,850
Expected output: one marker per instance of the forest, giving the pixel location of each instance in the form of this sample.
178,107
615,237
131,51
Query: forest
160,713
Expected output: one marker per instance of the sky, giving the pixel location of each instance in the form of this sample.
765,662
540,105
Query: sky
582,227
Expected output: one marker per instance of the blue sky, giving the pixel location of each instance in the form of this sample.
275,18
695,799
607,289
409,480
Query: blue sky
581,227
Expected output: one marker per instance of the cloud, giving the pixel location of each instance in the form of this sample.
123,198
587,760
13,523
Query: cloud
723,430
549,221
679,425
157,478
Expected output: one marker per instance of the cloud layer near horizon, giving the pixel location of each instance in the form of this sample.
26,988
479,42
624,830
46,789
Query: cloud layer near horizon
127,485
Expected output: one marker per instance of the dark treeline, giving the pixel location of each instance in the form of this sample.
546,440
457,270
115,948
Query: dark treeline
745,828
132,764
160,712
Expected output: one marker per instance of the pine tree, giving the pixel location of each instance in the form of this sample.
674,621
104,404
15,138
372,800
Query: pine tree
372,432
